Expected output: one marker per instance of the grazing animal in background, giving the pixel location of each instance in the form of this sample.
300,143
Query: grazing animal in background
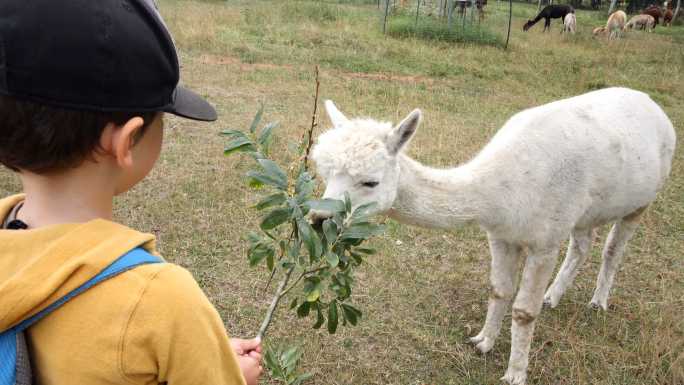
614,26
549,12
569,23
654,11
646,22
552,171
667,18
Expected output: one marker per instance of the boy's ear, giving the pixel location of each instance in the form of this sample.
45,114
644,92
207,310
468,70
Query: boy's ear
121,140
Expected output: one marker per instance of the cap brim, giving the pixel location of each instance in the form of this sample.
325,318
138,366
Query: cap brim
189,105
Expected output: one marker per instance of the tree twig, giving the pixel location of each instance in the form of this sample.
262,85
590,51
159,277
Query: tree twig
309,140
274,304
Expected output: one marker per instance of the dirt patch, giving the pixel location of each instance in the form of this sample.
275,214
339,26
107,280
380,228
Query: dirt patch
233,61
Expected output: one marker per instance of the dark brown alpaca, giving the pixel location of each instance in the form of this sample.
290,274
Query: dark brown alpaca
550,12
654,11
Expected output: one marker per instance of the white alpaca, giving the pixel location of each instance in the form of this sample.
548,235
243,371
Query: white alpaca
553,171
646,22
570,23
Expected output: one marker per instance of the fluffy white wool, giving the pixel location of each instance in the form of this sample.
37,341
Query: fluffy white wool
552,171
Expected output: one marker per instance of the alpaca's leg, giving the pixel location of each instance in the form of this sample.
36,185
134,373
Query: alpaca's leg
580,243
505,258
528,302
613,251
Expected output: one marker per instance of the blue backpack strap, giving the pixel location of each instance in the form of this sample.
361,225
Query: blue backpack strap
8,338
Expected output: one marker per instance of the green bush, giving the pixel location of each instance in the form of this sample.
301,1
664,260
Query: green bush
430,29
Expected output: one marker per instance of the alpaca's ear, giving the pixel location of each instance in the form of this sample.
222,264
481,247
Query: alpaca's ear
336,117
403,132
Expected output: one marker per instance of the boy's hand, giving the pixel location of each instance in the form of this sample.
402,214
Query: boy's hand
249,358
251,368
247,347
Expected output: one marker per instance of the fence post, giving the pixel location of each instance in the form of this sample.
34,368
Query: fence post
384,18
450,11
417,11
510,16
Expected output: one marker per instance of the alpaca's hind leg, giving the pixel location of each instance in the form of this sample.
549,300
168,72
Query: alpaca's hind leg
528,302
505,257
613,251
580,243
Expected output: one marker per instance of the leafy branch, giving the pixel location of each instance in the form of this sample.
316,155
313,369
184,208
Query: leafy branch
323,259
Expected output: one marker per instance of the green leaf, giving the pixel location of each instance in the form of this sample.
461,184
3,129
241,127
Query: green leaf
273,365
270,261
361,231
332,258
258,179
310,239
301,378
290,357
303,309
332,317
362,213
257,119
293,304
265,135
351,313
235,133
304,186
274,173
312,288
357,257
258,252
366,250
347,202
276,199
239,144
314,295
331,206
330,230
275,218
320,320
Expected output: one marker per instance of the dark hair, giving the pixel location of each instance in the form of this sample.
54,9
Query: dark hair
44,139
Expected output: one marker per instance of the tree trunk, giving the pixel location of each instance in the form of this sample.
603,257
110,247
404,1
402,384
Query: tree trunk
676,12
612,7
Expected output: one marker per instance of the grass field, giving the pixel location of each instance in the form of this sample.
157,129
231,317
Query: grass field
426,291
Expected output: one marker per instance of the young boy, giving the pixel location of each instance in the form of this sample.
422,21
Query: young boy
83,88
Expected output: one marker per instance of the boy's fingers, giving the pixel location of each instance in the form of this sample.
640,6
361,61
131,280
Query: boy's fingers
252,344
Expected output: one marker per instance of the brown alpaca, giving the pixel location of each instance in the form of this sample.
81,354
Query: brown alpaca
654,11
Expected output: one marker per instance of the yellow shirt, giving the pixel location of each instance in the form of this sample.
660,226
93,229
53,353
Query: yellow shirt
149,325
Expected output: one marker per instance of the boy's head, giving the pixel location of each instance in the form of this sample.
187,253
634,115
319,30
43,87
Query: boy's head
76,75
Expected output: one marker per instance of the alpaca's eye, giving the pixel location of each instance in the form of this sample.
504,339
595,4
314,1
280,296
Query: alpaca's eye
369,184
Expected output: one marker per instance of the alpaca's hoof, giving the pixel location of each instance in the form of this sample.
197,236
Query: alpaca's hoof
551,300
597,304
485,345
477,339
482,343
515,377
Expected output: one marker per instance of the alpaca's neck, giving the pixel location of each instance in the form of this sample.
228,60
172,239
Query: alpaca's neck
438,198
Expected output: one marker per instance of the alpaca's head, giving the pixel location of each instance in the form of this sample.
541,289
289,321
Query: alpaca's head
359,156
528,25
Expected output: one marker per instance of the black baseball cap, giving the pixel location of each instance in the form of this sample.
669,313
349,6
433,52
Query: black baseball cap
95,55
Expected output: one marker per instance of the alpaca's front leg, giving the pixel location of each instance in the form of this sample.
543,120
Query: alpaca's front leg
536,275
578,249
505,257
